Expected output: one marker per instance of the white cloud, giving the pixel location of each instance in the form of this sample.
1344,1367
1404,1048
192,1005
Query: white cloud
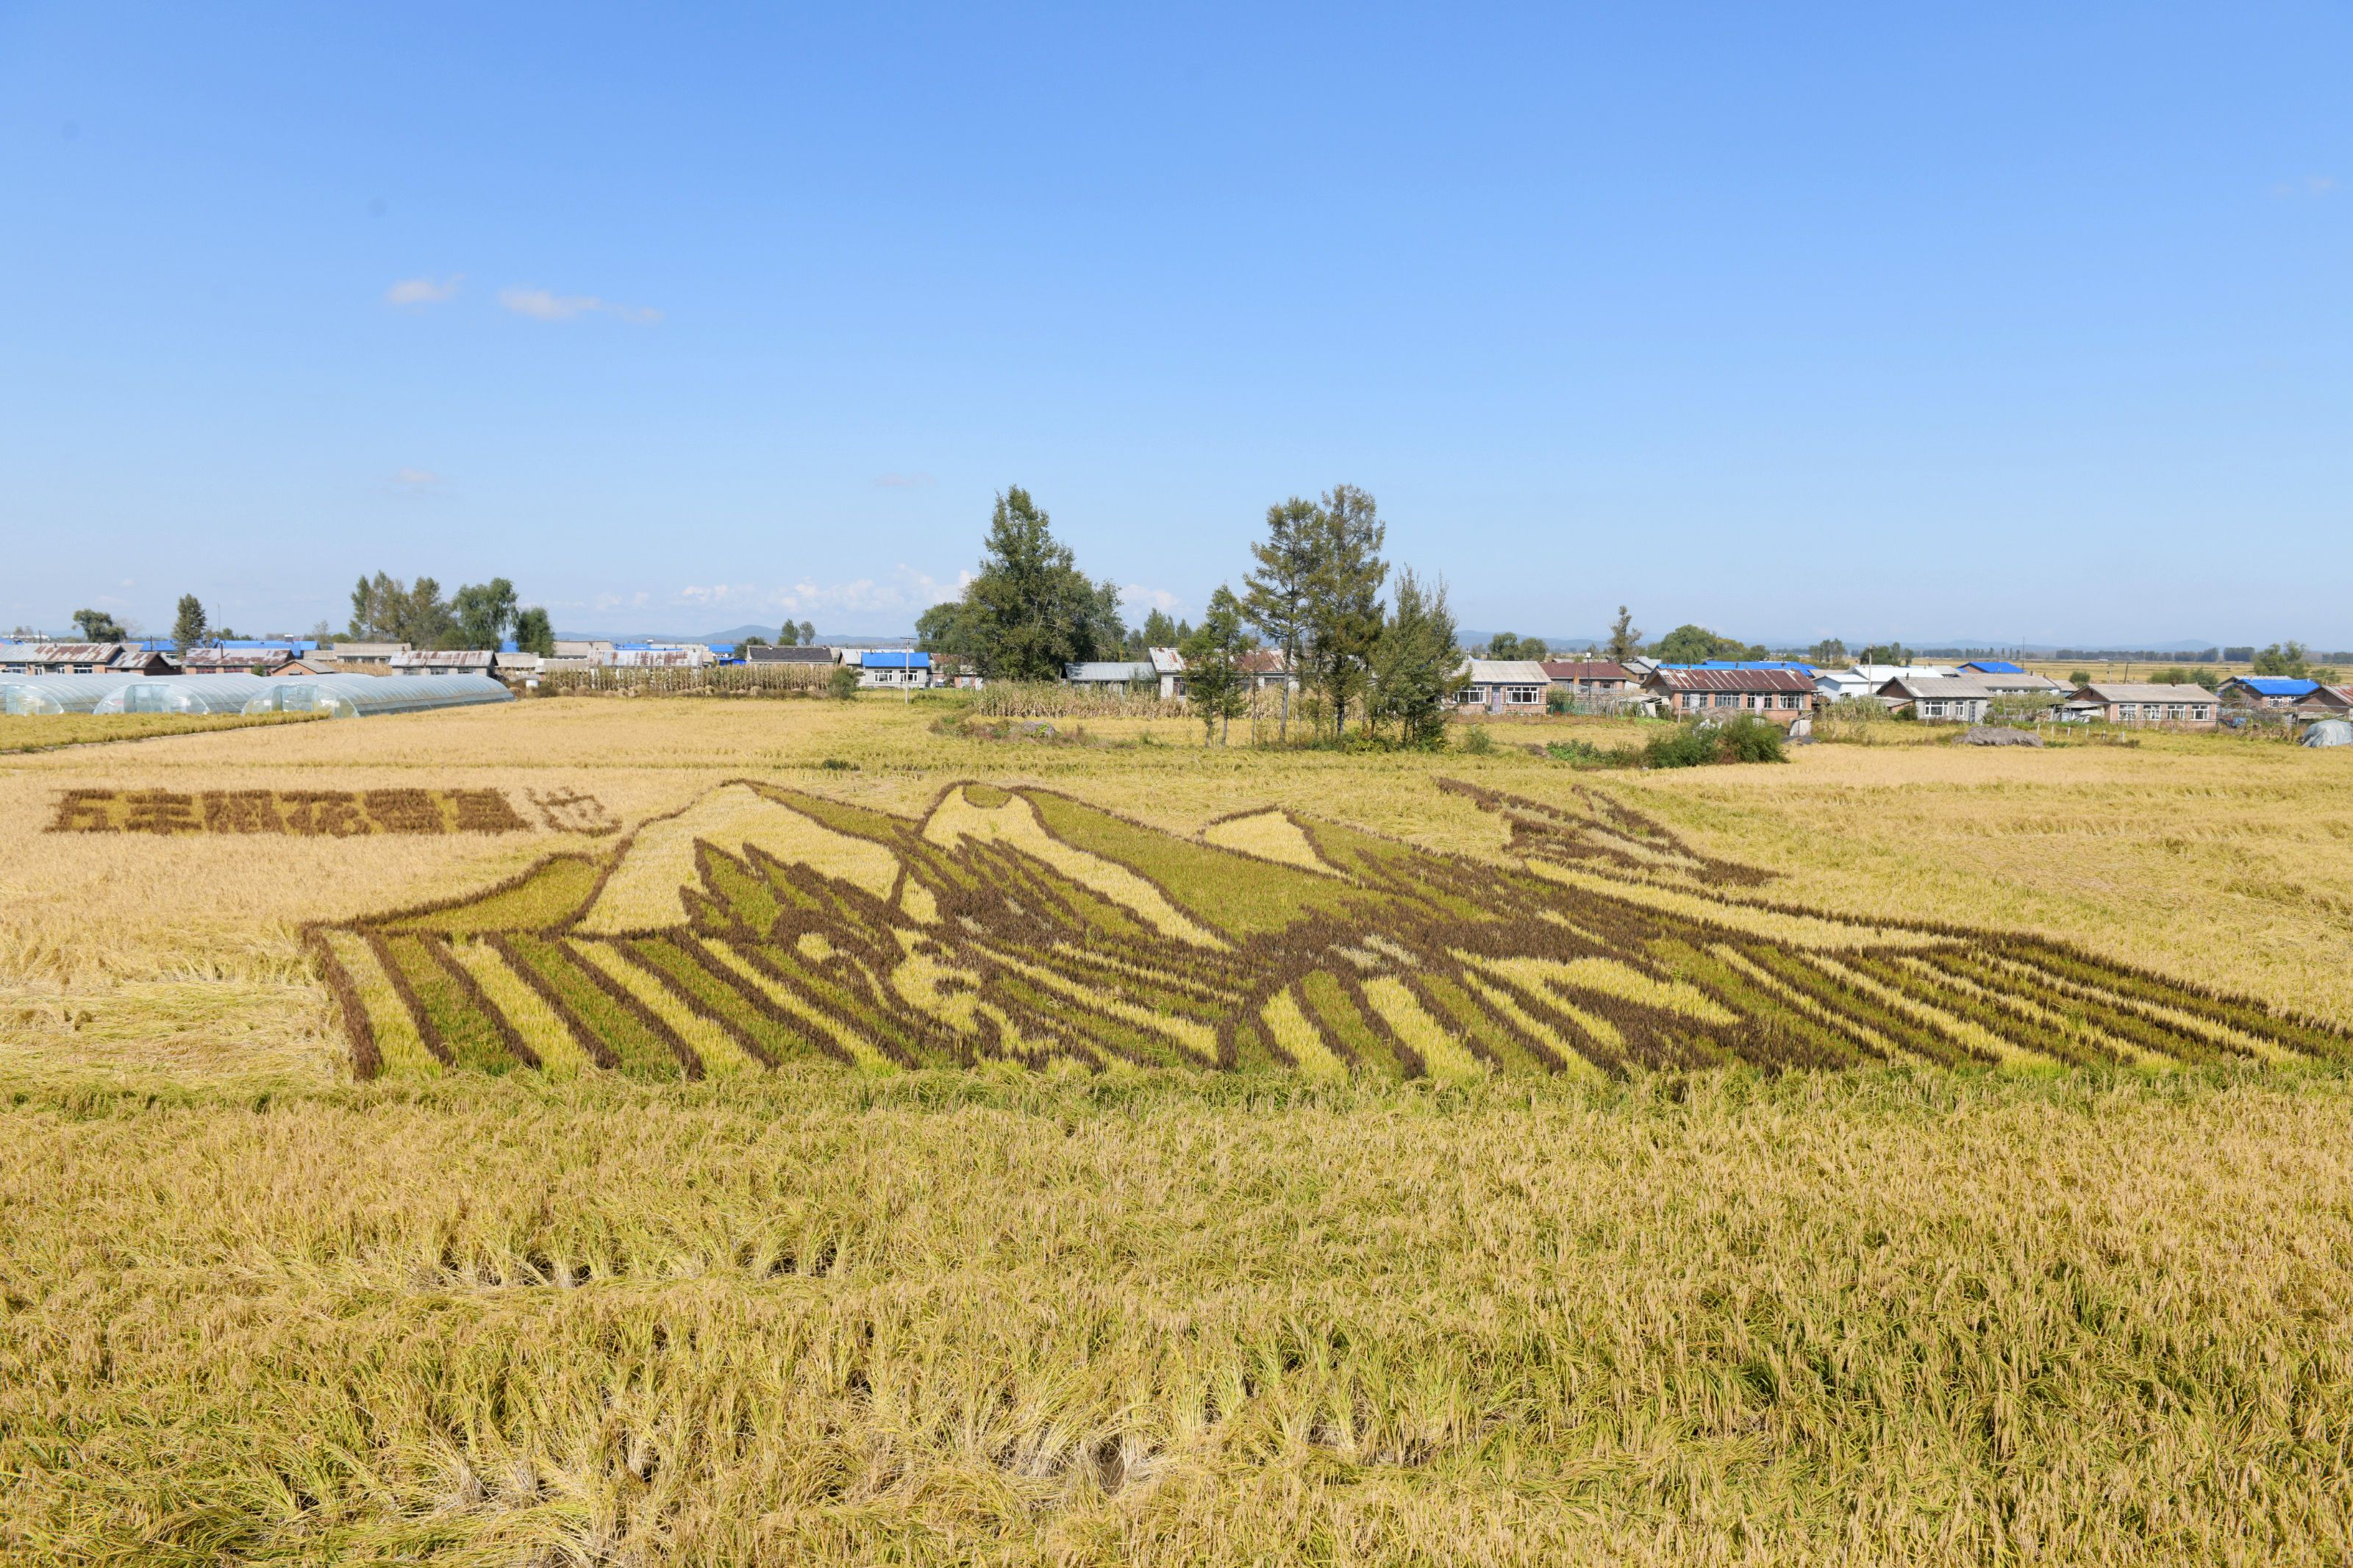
904,482
2310,186
422,291
1135,597
544,305
414,479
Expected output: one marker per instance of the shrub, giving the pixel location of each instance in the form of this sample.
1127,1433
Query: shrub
1684,746
1748,739
1743,739
1476,742
842,684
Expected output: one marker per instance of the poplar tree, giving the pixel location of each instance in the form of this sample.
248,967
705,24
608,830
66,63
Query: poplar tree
1343,610
1216,686
189,626
1274,595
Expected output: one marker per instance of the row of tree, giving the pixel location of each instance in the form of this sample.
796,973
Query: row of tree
477,615
1315,592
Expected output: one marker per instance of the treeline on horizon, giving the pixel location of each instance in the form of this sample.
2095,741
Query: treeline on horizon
477,615
1315,592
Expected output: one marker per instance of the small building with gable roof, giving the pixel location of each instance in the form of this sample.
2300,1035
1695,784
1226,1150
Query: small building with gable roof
1780,696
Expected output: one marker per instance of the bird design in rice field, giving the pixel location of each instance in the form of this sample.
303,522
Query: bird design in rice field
764,924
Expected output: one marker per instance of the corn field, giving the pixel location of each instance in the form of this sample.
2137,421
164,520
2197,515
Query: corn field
709,680
1058,699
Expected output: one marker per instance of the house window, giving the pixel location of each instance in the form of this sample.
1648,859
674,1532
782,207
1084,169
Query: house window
1936,710
2173,710
1523,696
1467,698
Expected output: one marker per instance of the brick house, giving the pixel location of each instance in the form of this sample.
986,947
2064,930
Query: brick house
1780,696
2141,702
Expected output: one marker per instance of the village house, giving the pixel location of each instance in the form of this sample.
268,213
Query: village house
365,657
897,667
1501,685
1963,699
1134,674
1169,666
83,658
444,661
1865,680
655,655
2265,691
1781,695
1590,676
230,661
796,653
2327,702
2142,703
1267,669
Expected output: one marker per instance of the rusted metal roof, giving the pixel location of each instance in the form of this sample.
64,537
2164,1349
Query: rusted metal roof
1730,680
1586,669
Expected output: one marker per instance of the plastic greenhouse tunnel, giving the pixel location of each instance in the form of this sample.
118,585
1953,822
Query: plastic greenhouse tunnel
58,693
359,695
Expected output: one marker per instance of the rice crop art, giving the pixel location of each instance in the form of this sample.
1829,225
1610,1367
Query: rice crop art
323,812
763,925
305,813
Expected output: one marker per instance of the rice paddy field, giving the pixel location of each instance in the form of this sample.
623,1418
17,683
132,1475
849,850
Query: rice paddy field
652,1131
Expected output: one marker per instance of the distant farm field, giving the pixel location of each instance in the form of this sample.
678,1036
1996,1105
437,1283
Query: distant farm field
592,1130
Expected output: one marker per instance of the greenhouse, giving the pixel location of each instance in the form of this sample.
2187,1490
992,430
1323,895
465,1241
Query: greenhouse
357,696
184,694
56,693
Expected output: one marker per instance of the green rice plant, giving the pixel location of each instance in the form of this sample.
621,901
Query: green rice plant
1027,926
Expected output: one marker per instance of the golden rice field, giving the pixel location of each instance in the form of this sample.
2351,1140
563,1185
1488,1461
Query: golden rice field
657,1131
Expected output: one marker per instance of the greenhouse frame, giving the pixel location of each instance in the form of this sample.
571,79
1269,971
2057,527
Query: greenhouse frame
340,696
56,693
358,696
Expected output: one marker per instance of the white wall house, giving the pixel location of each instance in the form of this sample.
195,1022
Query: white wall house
1501,685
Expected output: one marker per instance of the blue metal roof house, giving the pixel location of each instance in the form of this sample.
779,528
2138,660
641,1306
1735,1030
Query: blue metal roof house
1994,666
2276,691
895,666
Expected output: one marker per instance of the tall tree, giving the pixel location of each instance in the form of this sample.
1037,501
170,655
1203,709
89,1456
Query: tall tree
1343,612
1158,631
2291,661
482,612
1688,644
1505,645
1029,612
97,625
1829,651
421,618
377,603
189,626
1625,636
1216,686
1415,661
1274,595
535,632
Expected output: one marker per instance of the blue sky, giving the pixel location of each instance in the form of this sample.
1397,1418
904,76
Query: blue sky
1993,320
